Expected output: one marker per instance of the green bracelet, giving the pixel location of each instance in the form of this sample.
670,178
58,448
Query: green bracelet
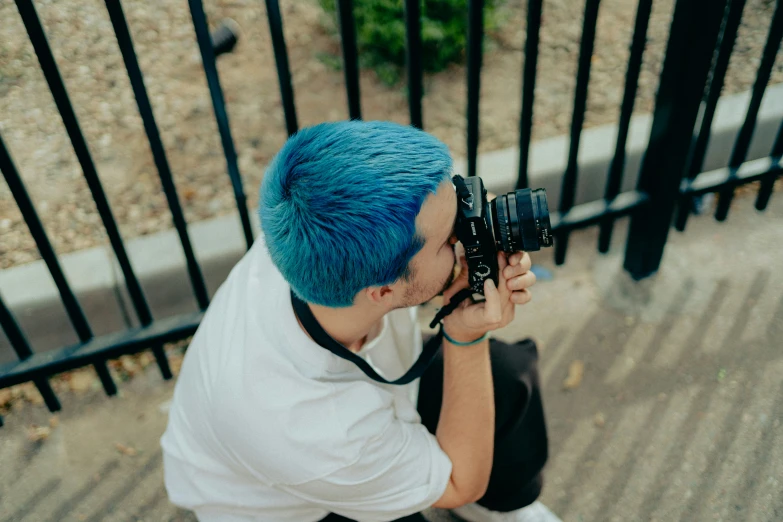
457,343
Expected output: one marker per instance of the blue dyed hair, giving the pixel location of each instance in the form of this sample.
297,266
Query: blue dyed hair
339,202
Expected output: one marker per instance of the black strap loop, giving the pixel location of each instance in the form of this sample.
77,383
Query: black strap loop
320,336
463,194
453,304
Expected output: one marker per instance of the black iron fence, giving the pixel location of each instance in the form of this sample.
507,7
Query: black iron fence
700,44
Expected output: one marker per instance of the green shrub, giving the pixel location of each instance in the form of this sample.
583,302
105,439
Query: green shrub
380,32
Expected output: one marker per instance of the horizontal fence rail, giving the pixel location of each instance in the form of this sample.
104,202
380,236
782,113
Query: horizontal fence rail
768,183
151,334
762,169
698,152
23,351
72,306
694,32
741,146
737,173
108,346
700,45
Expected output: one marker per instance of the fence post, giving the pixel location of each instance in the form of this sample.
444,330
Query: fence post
694,33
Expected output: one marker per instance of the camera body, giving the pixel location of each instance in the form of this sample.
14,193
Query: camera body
474,230
518,220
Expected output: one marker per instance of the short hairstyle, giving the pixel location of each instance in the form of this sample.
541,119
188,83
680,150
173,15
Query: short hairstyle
338,206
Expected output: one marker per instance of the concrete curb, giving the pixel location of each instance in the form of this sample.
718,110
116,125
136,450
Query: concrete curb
548,158
218,243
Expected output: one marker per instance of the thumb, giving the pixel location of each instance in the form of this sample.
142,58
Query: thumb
492,308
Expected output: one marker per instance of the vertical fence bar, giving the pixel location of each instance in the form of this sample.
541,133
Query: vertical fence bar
281,60
718,75
413,60
692,40
22,348
63,102
617,166
219,107
475,37
727,39
125,43
580,104
60,95
350,57
72,307
742,144
19,192
765,191
528,90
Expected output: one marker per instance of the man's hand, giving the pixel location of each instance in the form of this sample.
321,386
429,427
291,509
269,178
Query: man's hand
467,378
519,278
471,321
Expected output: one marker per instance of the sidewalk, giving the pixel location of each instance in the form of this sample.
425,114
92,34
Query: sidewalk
677,413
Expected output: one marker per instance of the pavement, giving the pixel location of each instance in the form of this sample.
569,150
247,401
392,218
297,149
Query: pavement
674,409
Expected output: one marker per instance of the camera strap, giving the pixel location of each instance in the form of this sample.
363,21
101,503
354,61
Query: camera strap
463,194
319,335
453,304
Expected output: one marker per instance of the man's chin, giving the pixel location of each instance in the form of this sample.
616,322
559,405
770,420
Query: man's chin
423,301
447,285
412,301
440,293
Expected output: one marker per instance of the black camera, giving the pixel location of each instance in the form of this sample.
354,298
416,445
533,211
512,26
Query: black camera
515,221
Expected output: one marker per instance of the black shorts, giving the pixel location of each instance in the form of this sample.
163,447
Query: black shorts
521,447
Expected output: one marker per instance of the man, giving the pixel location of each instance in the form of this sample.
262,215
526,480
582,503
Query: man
268,425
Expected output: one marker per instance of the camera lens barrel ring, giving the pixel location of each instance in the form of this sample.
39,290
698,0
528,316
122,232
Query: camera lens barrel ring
542,224
519,220
527,220
503,223
513,223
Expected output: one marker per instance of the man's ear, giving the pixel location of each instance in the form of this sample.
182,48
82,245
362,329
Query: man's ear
379,294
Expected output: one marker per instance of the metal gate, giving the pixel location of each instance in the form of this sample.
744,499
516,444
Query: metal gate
700,44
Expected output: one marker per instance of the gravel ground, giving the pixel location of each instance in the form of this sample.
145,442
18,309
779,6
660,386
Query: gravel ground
90,63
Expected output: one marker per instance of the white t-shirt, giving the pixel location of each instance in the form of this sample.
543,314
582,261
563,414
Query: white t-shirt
266,425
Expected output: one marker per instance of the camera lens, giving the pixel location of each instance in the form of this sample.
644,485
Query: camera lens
520,221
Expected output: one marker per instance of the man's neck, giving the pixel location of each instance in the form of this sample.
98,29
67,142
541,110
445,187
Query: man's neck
348,326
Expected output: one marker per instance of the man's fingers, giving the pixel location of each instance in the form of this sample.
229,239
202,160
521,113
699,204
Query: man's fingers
519,263
525,262
502,263
521,282
521,297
